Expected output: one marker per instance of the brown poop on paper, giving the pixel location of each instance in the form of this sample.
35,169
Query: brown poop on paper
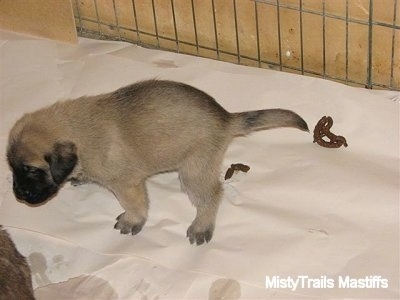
322,129
236,167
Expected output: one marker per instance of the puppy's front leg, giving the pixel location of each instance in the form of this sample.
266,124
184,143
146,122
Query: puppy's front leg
135,202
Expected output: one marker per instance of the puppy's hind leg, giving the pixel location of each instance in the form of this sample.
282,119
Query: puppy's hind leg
204,189
135,202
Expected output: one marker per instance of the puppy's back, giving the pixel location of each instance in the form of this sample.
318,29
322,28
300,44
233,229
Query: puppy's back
167,103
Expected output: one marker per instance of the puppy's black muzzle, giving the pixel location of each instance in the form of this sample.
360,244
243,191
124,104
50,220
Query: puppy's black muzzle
33,191
33,197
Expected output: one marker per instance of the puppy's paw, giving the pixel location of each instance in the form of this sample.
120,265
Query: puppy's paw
128,227
199,236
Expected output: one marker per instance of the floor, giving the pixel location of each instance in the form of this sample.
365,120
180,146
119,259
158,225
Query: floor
325,218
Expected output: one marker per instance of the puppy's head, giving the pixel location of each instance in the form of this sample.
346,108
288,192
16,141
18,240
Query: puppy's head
39,166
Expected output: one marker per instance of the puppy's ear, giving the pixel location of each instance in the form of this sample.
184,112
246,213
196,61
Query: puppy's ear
62,160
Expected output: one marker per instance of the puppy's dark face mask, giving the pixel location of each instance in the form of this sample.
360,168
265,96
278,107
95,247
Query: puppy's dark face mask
34,184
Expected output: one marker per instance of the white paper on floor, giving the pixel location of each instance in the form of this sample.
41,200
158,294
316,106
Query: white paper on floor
301,210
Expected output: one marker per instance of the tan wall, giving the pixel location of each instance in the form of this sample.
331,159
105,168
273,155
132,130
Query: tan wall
52,19
313,39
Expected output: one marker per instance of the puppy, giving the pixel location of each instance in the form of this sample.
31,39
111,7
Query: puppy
15,275
119,139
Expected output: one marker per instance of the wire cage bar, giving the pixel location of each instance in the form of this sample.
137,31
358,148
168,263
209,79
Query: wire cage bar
356,42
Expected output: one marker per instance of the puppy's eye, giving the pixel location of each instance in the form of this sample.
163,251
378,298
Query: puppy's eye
31,170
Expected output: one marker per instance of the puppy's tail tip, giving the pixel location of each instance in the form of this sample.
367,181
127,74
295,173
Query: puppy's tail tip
302,125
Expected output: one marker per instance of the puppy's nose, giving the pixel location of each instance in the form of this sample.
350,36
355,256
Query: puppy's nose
27,194
24,194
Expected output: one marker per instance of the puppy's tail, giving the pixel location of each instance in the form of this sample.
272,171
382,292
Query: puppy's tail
246,122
